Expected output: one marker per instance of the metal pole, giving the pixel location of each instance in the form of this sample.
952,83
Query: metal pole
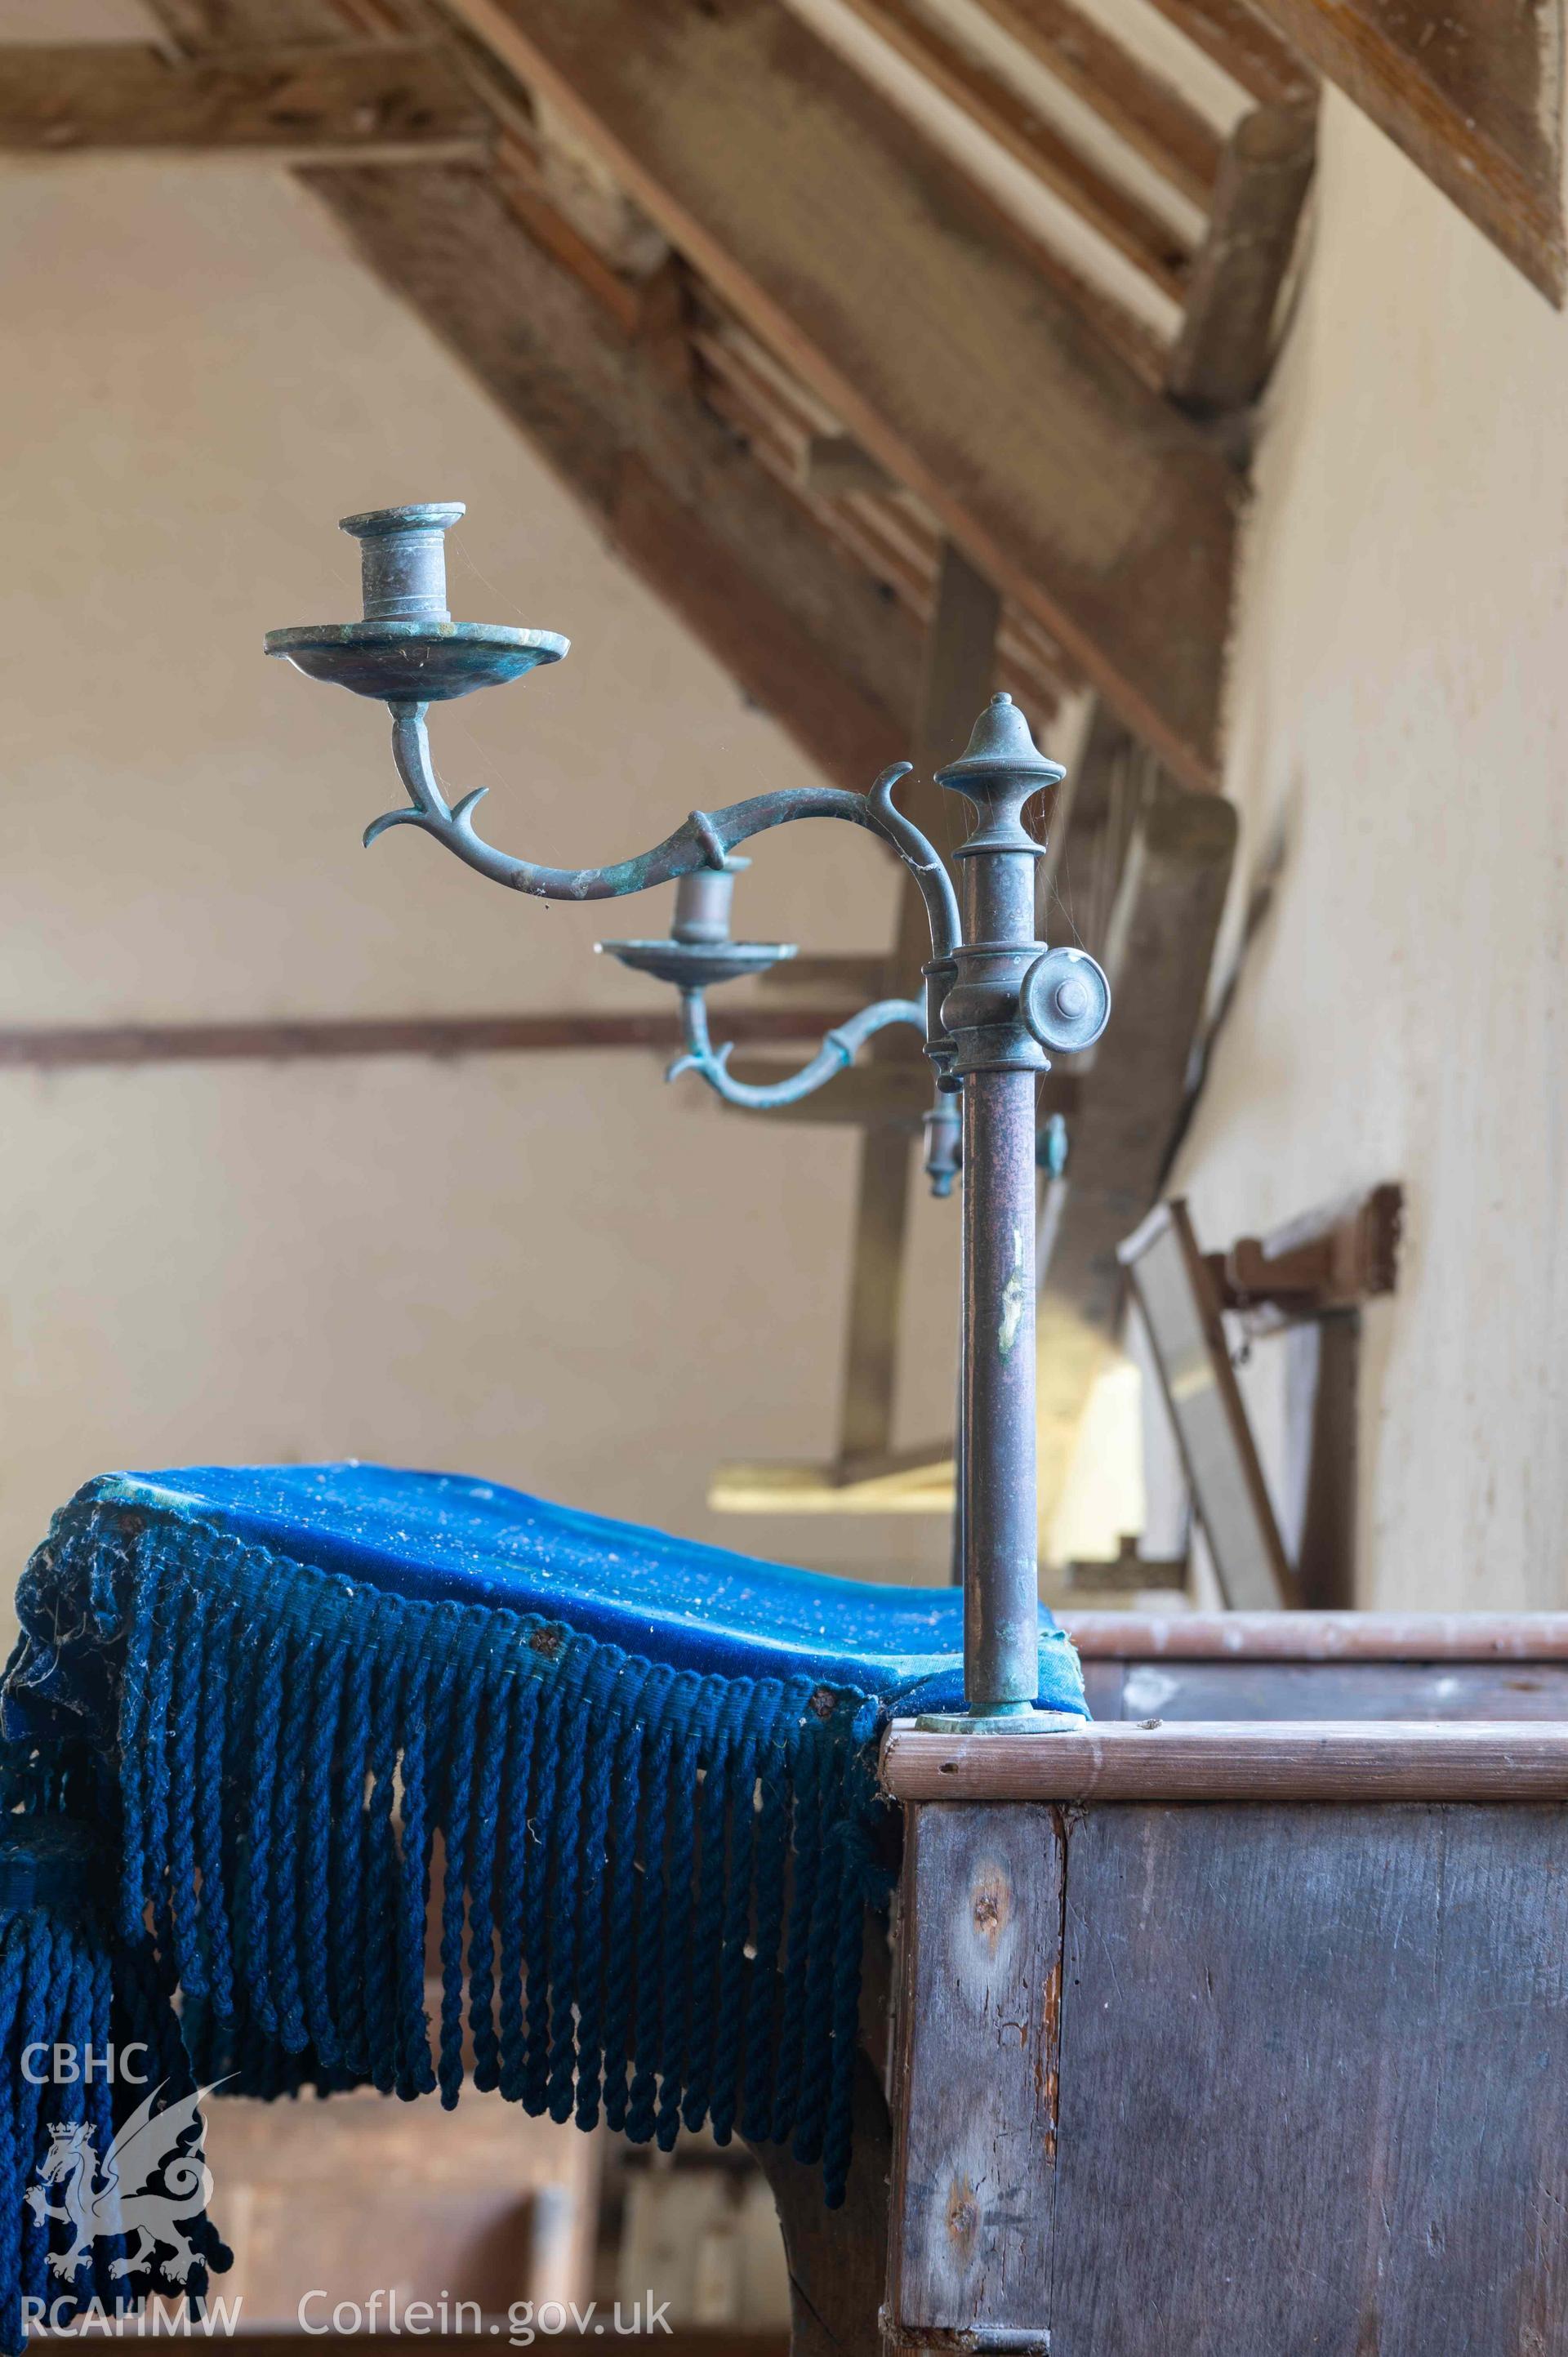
998,1057
998,1511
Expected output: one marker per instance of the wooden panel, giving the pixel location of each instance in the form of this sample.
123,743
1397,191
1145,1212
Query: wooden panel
1473,93
1220,359
1293,1760
1314,2084
1320,1636
1305,1690
371,102
975,2075
926,331
1181,1312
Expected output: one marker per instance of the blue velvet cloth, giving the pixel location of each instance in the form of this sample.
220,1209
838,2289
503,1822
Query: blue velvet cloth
649,1766
444,1535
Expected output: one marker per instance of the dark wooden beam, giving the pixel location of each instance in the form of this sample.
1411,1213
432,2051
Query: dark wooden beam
1143,235
1472,92
1146,112
879,274
66,1047
1238,39
1220,359
379,102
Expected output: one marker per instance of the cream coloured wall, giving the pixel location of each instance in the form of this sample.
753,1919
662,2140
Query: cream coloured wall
552,1270
1400,717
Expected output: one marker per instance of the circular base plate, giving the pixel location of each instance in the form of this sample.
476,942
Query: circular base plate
1023,1722
416,662
697,966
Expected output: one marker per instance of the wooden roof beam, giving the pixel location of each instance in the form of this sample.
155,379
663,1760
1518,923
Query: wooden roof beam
1152,116
928,332
292,1039
1124,221
1234,36
367,103
1472,92
1221,360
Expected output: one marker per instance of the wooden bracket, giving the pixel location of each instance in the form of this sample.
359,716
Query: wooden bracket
1330,1259
1127,1573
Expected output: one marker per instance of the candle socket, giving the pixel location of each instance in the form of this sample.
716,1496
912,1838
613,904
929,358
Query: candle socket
403,560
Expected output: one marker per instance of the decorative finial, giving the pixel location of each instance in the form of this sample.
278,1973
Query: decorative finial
1000,743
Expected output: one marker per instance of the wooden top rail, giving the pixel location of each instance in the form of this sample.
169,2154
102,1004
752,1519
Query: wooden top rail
1319,1636
1283,1759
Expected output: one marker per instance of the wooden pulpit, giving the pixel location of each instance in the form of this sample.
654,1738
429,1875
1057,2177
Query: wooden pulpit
1240,2028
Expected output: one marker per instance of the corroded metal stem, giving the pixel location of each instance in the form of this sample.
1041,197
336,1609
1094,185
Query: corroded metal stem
703,841
997,1056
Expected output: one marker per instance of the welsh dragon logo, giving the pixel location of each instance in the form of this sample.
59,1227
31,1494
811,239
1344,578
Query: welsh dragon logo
145,2187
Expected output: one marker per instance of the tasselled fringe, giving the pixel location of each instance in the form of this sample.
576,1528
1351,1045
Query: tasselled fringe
71,1995
655,1881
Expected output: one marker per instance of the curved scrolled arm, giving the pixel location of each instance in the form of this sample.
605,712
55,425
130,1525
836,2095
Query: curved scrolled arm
840,1046
704,841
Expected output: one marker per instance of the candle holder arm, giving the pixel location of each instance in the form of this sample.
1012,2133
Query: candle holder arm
704,839
839,1048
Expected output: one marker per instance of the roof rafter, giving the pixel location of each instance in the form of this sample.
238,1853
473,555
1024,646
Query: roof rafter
1473,93
1149,114
1124,221
755,147
367,102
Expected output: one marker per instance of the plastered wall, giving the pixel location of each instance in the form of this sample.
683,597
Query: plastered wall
552,1269
1400,722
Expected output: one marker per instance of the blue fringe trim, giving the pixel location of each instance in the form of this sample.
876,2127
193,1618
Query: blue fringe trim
69,1990
652,1883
